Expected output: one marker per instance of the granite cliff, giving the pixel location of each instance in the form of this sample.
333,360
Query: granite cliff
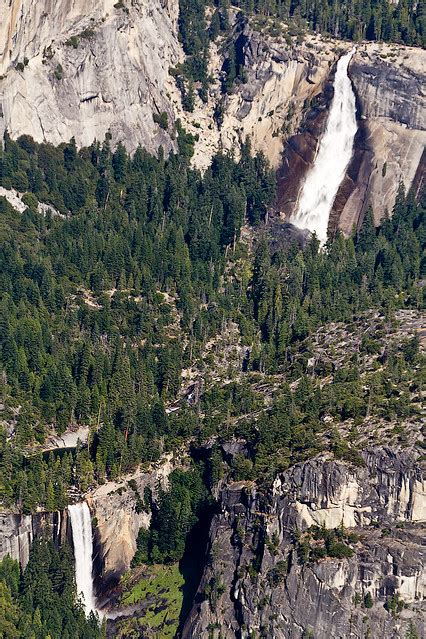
18,531
389,146
258,583
82,69
118,512
389,82
88,69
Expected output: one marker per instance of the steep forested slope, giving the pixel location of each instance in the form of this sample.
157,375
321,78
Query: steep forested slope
164,313
101,309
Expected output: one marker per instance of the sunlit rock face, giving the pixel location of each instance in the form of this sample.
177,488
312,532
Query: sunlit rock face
114,506
389,144
72,68
389,83
84,69
261,584
18,531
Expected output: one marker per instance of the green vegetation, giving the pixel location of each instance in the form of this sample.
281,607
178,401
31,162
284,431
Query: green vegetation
59,72
213,591
136,275
371,20
96,306
174,513
319,542
162,119
394,604
41,602
412,632
378,20
278,573
368,601
73,42
102,309
158,593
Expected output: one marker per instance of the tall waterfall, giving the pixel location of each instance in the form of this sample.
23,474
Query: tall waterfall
81,524
334,154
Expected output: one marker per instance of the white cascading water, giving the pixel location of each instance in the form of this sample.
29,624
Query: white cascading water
81,525
334,154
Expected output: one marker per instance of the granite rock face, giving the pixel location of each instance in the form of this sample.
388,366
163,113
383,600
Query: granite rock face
281,79
389,83
389,146
254,583
17,532
118,513
71,68
85,69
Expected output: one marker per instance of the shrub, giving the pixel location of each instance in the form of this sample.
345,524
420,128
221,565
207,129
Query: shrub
72,42
59,72
162,119
30,200
278,573
87,33
339,550
394,604
368,600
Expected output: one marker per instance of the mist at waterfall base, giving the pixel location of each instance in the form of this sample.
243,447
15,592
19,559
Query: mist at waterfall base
81,525
333,157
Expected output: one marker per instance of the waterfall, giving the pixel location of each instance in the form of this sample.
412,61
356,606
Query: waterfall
81,525
334,154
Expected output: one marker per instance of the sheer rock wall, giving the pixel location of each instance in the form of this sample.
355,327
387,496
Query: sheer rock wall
254,582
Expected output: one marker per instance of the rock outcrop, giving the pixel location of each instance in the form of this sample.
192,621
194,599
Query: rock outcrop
71,68
78,69
282,78
255,583
389,82
389,146
15,199
17,532
86,69
118,512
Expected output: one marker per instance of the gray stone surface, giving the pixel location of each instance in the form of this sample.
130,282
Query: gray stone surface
17,532
317,597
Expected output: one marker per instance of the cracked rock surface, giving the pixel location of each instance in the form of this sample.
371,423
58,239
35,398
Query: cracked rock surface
254,581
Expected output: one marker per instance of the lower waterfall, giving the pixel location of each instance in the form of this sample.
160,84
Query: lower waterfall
81,525
334,154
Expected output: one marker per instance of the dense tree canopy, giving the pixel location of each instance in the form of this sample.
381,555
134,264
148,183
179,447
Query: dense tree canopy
42,601
96,296
202,21
402,21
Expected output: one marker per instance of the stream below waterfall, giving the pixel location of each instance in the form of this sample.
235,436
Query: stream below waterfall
334,154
